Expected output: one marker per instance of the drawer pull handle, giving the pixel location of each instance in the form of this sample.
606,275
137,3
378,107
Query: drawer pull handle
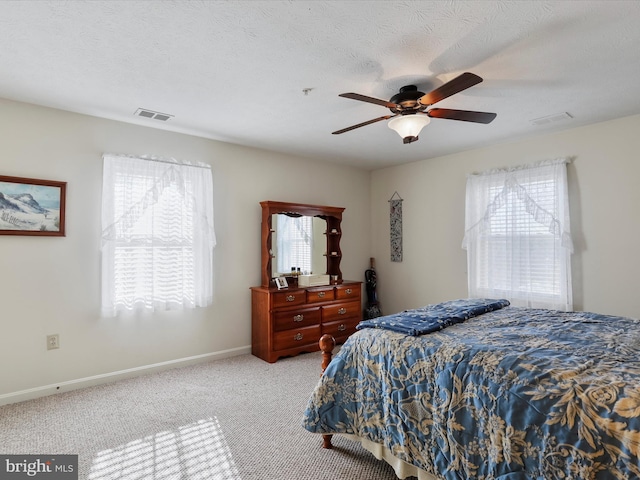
298,318
298,337
291,298
349,291
321,294
342,311
342,328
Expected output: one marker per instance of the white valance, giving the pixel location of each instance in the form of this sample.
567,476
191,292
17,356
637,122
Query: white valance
505,181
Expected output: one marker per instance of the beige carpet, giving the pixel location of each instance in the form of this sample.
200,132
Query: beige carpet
237,418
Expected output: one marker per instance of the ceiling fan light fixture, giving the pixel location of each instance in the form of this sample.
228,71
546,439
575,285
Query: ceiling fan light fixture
409,126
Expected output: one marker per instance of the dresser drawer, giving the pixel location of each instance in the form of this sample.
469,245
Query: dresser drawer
341,311
289,319
320,295
296,337
289,298
348,292
340,329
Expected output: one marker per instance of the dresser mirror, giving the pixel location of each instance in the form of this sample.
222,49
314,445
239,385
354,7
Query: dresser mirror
300,236
298,242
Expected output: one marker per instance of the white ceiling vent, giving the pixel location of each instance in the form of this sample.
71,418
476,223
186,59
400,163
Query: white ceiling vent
143,112
556,117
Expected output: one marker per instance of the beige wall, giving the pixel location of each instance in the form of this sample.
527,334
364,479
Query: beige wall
52,285
604,205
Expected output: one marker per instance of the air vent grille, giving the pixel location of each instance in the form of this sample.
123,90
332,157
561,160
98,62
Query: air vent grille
556,117
144,112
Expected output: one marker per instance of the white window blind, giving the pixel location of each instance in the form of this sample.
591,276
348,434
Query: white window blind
158,237
518,237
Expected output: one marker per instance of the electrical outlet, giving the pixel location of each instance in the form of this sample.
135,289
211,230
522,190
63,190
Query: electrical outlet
53,341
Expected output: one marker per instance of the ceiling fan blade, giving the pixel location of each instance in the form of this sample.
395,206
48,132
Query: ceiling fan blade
353,127
464,115
364,98
458,84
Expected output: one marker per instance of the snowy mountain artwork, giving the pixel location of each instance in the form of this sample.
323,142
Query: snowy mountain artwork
31,207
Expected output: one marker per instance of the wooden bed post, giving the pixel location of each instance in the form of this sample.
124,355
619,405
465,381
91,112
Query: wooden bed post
327,344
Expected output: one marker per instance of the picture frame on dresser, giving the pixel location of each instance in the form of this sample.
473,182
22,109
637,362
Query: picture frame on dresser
281,282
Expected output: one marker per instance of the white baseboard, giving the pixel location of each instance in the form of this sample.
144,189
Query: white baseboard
45,390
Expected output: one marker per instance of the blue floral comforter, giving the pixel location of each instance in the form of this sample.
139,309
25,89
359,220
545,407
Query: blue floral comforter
513,394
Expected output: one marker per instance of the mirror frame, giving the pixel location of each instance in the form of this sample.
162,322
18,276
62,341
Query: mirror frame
333,217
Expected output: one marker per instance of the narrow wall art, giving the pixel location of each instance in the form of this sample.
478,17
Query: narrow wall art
29,206
395,220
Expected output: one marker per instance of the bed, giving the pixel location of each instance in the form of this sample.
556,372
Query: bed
496,392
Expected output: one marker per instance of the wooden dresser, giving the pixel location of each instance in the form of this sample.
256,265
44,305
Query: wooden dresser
291,321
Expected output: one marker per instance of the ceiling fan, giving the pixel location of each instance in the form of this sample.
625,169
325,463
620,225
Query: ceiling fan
409,107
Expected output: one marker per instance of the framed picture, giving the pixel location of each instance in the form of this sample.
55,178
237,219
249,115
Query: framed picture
32,207
281,282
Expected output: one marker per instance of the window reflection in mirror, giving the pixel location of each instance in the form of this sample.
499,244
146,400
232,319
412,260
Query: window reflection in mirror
298,242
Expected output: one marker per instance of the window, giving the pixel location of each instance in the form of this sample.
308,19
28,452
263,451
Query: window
517,236
157,237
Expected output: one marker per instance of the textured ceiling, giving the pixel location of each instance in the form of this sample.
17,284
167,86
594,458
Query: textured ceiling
236,71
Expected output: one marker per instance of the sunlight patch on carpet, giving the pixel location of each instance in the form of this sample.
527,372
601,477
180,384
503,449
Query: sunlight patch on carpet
195,451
